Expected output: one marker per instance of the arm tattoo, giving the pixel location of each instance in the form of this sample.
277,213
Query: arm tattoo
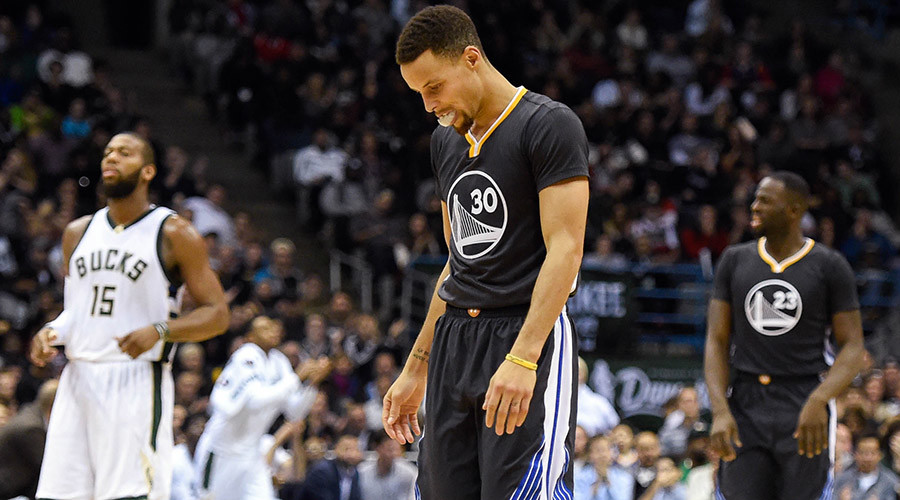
421,355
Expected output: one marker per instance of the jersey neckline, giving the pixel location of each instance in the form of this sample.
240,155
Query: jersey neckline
476,145
121,227
779,267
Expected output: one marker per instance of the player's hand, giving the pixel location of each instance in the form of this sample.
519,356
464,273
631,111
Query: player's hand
724,435
508,397
401,404
139,341
41,351
812,428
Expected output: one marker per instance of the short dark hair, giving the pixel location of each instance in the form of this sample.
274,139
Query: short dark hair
443,29
793,183
147,153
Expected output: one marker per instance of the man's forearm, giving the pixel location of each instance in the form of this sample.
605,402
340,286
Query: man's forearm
202,323
716,373
550,293
845,368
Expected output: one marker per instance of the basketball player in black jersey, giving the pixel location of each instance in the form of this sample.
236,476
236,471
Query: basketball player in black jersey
496,348
776,301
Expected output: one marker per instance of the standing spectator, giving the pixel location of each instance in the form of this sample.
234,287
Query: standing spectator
596,414
389,476
679,424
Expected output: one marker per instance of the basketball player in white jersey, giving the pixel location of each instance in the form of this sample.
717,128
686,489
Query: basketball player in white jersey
256,386
110,435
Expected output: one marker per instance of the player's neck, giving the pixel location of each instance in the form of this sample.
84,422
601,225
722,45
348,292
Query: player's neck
782,246
126,210
498,94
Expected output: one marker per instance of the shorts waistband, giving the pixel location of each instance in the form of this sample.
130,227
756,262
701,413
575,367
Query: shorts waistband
766,379
495,312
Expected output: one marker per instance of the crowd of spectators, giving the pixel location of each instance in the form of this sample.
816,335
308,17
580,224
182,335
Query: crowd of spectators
686,105
674,461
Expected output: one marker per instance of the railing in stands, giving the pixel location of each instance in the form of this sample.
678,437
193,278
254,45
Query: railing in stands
622,309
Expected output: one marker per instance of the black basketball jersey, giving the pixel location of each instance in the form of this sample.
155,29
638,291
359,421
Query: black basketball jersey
781,311
491,190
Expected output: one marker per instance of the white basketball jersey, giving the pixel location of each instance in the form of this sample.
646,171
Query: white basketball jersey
116,284
252,390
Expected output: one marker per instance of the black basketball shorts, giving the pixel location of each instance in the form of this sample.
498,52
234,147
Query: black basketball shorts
768,466
462,459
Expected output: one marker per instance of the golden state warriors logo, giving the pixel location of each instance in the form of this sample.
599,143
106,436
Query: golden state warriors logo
773,307
478,214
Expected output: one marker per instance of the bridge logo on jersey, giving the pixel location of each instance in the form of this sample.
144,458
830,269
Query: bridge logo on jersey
478,214
773,307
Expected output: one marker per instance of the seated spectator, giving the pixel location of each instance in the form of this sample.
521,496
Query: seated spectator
702,97
868,479
314,166
631,32
601,478
864,247
604,255
76,124
210,215
623,439
362,343
705,235
843,449
22,444
667,483
282,271
643,470
700,483
580,450
337,478
670,61
316,343
389,476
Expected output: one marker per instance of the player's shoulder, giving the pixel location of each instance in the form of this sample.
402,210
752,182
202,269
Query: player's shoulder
248,355
537,105
826,255
740,250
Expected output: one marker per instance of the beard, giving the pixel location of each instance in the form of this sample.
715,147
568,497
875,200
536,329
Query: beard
465,126
122,188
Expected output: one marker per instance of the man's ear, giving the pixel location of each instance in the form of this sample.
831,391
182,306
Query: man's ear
148,172
471,56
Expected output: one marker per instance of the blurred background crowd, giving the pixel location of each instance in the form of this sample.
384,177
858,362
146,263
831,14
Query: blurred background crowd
686,106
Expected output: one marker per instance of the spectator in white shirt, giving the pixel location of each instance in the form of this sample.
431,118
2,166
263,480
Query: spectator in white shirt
209,215
595,413
389,476
314,166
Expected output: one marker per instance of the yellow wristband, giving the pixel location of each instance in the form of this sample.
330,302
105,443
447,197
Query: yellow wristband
524,363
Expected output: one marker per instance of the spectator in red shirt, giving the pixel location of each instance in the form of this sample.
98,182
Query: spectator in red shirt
706,234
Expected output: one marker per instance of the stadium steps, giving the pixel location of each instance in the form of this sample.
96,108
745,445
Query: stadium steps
179,118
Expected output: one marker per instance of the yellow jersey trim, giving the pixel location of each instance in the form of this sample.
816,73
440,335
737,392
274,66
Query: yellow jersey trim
476,145
779,267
